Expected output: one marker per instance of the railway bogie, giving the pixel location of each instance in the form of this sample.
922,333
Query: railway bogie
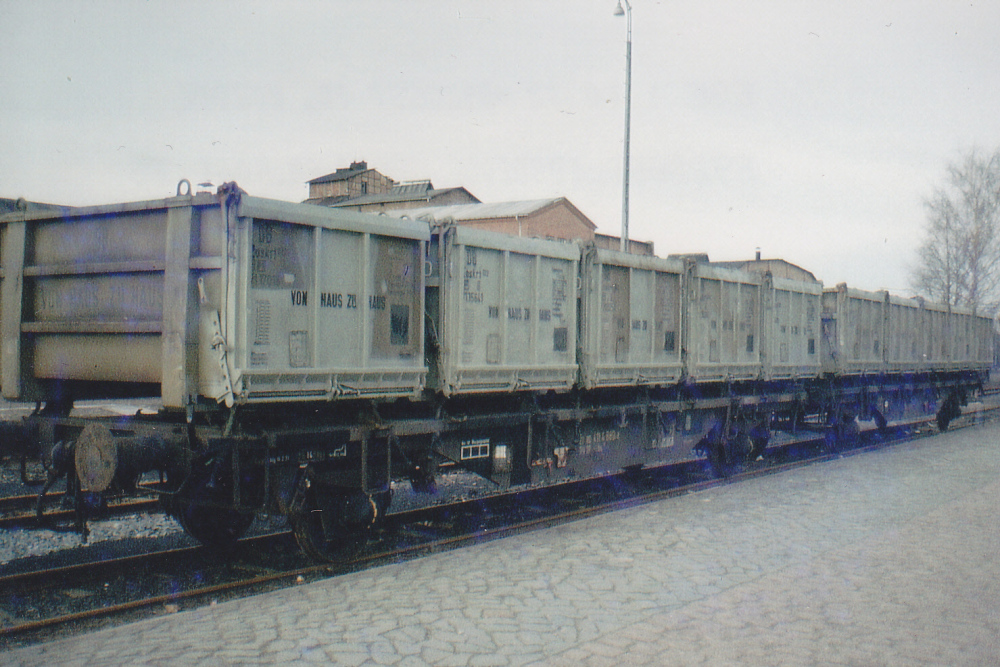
308,359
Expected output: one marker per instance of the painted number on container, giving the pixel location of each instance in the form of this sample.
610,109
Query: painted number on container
472,285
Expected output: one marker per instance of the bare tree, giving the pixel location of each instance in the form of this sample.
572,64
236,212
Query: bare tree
959,260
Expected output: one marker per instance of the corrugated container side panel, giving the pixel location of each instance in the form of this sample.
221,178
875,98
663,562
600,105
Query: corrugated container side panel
937,343
967,349
985,339
746,328
279,319
475,318
944,339
395,302
920,333
914,338
970,352
521,346
781,333
810,327
732,315
792,336
903,331
970,340
960,337
862,331
974,338
933,331
641,322
893,344
705,323
339,316
615,314
667,343
905,334
557,311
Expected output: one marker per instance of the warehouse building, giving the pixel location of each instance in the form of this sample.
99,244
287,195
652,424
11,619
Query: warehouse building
360,188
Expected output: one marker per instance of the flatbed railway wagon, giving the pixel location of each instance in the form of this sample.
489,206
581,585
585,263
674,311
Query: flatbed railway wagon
307,358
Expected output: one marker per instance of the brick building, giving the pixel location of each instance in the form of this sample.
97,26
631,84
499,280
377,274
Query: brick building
360,188
555,218
347,183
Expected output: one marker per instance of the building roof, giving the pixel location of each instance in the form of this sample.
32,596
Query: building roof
402,192
780,267
492,211
343,173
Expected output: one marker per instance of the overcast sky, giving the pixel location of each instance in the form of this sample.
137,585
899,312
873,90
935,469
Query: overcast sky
813,130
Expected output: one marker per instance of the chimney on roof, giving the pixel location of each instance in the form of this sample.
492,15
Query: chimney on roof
359,165
758,255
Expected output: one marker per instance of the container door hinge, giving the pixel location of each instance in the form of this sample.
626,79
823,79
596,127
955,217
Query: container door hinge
221,350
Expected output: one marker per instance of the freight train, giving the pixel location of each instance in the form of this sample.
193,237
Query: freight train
307,358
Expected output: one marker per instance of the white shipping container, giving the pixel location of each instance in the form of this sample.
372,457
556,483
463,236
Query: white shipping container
632,320
854,330
792,328
227,297
871,332
332,303
724,341
507,318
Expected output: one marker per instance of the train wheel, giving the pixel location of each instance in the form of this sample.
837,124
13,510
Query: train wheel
717,461
334,525
880,422
758,445
204,509
712,447
950,409
216,527
759,435
842,433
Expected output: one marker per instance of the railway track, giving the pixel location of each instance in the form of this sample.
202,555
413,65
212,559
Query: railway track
19,511
80,596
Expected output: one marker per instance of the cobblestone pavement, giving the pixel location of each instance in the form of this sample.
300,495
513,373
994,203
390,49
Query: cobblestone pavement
886,558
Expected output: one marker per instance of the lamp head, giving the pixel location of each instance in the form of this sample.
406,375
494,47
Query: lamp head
618,10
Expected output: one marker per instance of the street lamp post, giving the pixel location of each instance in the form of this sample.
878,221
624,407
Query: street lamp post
627,12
